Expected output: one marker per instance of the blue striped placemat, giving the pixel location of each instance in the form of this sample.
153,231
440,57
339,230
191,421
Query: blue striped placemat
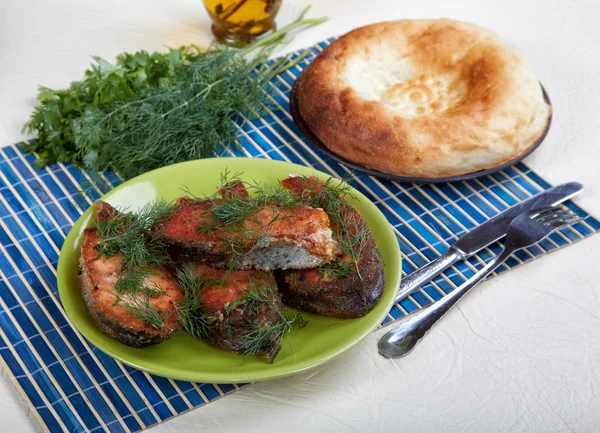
72,386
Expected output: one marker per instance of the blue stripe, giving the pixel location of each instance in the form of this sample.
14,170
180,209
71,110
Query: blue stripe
171,393
9,152
190,392
126,387
153,397
209,391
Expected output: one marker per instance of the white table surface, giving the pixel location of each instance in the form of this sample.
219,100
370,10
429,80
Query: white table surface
520,354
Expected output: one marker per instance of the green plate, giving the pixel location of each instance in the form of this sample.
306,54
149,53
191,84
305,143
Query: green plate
186,358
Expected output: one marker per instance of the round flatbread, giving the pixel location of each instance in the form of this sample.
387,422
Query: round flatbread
423,98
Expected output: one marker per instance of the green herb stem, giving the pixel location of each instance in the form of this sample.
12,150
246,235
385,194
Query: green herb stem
120,116
276,36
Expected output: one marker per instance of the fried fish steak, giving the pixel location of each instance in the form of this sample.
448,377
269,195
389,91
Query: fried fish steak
243,311
271,238
320,290
97,279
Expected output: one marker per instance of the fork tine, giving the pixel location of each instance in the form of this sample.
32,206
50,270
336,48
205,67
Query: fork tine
563,223
543,213
563,214
540,213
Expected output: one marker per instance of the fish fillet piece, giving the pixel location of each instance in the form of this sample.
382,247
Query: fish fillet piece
272,238
97,279
236,323
320,290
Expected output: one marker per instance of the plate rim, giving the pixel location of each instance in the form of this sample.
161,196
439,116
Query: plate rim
312,138
94,338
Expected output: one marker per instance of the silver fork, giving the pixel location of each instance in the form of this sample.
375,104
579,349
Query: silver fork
525,230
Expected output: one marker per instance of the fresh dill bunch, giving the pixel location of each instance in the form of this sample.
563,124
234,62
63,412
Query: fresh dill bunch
151,110
191,317
162,126
54,118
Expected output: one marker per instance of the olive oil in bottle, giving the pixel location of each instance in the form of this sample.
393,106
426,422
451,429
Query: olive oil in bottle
239,22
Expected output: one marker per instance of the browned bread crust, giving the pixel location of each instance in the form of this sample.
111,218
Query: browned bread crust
423,98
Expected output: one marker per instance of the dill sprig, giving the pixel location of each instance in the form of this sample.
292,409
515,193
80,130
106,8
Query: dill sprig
349,229
129,236
242,242
151,110
234,209
139,305
263,337
253,299
232,214
191,317
336,270
231,211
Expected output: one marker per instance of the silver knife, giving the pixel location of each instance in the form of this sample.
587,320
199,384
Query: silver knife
484,235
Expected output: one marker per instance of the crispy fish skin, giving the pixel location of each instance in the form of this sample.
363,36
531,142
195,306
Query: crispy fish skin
296,238
230,329
318,290
97,279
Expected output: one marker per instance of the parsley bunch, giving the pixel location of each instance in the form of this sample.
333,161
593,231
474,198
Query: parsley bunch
151,110
57,117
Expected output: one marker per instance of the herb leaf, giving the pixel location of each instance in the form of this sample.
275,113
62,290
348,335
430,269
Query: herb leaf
148,110
129,236
190,315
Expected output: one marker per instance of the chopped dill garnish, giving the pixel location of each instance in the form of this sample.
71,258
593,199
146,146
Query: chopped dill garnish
129,235
349,229
252,300
191,317
139,305
132,281
243,242
231,211
268,337
258,301
335,270
235,209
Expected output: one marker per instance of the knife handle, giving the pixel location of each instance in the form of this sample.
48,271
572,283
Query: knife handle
412,282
